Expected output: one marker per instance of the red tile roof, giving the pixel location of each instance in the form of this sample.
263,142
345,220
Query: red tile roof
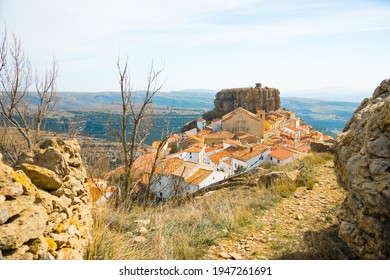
281,154
249,153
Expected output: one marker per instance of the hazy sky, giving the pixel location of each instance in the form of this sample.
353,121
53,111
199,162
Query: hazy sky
211,44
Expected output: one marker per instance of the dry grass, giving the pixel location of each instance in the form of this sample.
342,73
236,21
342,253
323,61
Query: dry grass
178,232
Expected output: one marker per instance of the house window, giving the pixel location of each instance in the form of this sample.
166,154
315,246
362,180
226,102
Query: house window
261,157
278,161
161,194
159,183
270,158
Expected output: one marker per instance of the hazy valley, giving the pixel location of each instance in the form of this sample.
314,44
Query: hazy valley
96,114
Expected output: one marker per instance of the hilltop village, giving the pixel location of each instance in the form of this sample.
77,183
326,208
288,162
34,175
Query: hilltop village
217,149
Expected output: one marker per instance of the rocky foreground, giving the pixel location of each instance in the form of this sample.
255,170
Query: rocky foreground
363,169
45,210
302,226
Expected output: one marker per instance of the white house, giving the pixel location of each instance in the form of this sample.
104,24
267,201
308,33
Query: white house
201,124
192,132
194,153
210,151
175,177
156,145
215,125
250,158
293,131
282,156
202,178
217,159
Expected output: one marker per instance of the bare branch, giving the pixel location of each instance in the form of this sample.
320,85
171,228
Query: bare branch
47,94
15,82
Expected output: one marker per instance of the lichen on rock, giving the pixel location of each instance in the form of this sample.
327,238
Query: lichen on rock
41,223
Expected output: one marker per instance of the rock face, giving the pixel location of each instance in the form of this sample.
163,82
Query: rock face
362,166
45,211
251,99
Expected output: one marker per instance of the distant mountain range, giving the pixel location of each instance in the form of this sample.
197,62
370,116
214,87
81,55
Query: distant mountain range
92,110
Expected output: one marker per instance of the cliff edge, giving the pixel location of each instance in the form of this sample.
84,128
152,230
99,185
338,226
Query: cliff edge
251,99
362,166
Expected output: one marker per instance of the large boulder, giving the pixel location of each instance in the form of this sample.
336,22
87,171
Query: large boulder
251,99
29,224
362,166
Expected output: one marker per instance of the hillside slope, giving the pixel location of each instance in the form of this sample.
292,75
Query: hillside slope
301,226
254,222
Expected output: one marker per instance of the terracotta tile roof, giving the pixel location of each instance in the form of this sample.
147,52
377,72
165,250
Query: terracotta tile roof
234,142
237,111
168,166
216,147
156,144
281,154
222,154
195,148
185,169
194,137
293,128
229,161
198,177
173,138
248,153
145,163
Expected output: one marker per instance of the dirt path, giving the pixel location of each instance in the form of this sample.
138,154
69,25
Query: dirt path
301,226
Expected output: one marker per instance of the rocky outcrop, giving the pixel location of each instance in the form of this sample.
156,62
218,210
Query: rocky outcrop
45,211
251,99
362,166
322,147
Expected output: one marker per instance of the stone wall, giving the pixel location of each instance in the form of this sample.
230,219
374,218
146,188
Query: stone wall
362,166
45,211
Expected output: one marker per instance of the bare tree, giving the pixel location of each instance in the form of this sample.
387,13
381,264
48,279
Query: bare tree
3,51
137,115
47,95
15,80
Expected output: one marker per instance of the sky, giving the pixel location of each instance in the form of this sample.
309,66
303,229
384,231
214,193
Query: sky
291,45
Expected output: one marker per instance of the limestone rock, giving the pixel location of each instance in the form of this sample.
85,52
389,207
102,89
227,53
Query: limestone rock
322,147
69,254
224,255
13,207
142,222
251,99
142,230
11,189
362,165
19,254
139,239
236,256
277,177
30,224
42,177
52,159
